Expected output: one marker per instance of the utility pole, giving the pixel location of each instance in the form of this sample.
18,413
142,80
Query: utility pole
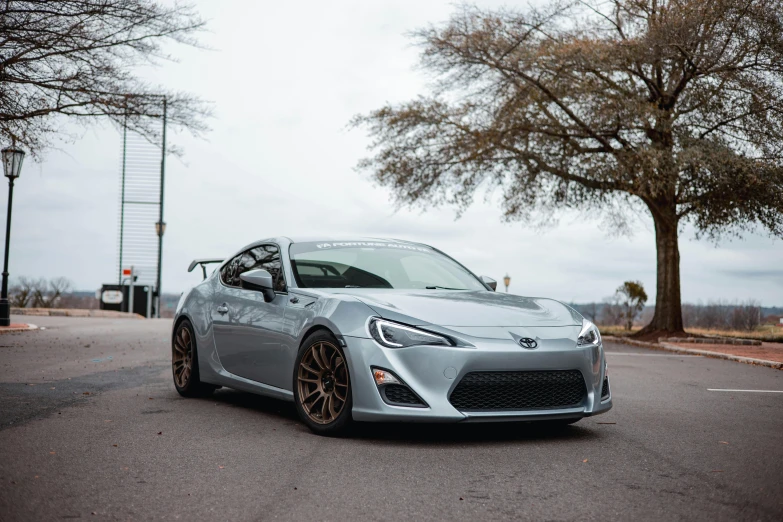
161,225
130,290
122,195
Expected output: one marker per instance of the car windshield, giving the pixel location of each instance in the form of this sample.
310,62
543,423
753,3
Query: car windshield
367,264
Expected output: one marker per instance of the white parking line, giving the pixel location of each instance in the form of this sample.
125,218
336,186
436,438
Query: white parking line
745,391
652,354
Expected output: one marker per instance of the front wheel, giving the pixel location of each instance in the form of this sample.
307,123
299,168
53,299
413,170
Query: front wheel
322,385
184,363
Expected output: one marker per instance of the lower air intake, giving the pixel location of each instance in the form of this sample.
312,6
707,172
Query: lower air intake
531,390
399,395
605,389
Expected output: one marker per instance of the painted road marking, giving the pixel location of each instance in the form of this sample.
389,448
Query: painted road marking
745,391
651,354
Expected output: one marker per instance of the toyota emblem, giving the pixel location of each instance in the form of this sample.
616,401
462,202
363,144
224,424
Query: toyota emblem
528,343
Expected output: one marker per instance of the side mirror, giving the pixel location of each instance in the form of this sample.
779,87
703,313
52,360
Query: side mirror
489,282
260,281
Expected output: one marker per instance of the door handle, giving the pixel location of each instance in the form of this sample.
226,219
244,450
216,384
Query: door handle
222,309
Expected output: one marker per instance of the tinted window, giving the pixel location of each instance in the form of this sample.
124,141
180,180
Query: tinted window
266,257
369,264
229,274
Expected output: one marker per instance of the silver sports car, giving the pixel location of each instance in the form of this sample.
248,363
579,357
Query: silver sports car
383,330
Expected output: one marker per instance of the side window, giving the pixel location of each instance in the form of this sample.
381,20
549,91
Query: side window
229,274
267,257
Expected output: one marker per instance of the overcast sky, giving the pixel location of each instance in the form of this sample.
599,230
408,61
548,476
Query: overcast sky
286,77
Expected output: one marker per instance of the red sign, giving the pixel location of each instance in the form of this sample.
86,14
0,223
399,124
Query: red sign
126,271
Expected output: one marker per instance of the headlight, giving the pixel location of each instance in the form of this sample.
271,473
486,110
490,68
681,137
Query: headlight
589,335
395,335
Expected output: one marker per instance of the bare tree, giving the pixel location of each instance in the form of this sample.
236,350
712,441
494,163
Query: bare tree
746,316
612,311
46,294
675,106
21,292
75,58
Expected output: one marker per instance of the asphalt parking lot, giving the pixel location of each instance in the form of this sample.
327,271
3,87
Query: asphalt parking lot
91,427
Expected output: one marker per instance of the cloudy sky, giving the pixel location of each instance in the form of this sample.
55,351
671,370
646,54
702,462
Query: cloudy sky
286,77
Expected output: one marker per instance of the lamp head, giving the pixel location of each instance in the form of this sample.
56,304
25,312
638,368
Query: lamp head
12,162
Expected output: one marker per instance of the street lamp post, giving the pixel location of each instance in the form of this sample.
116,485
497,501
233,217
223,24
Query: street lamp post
160,229
12,167
507,281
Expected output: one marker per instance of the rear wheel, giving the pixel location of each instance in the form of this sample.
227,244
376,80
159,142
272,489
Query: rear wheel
322,385
184,363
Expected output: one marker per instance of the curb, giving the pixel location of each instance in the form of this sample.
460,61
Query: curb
666,347
713,340
17,328
74,312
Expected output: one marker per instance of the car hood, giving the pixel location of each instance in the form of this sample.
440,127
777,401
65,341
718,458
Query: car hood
463,308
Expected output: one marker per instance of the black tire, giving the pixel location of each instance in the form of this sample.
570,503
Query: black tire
184,363
328,381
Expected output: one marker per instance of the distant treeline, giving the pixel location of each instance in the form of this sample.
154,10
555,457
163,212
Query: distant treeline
27,292
722,315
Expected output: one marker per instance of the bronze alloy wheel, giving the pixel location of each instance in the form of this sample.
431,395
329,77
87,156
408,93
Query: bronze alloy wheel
322,378
182,356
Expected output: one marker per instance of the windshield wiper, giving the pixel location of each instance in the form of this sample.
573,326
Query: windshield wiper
435,287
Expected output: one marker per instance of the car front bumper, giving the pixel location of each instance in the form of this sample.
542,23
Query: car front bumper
432,373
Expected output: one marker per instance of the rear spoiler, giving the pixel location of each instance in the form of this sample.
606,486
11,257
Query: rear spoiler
203,263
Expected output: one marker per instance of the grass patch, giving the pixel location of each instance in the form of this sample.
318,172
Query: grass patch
618,331
767,333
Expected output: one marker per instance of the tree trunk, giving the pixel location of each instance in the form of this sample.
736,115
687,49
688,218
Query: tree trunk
668,307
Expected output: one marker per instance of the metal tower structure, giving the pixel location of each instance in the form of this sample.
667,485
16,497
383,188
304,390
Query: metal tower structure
141,224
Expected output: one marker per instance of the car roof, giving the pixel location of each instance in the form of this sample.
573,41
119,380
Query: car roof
331,239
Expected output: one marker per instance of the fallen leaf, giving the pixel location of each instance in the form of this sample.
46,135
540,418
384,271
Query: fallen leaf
52,388
717,471
722,442
221,467
461,498
51,453
36,476
126,469
115,445
150,398
584,460
85,393
160,433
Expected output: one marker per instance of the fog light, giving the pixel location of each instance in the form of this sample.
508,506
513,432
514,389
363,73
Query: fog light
383,377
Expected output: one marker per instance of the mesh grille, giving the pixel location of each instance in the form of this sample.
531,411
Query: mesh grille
519,390
605,388
398,394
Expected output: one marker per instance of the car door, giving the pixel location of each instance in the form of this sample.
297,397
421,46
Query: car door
248,330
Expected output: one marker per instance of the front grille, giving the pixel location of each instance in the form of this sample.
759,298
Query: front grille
605,389
519,390
400,395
